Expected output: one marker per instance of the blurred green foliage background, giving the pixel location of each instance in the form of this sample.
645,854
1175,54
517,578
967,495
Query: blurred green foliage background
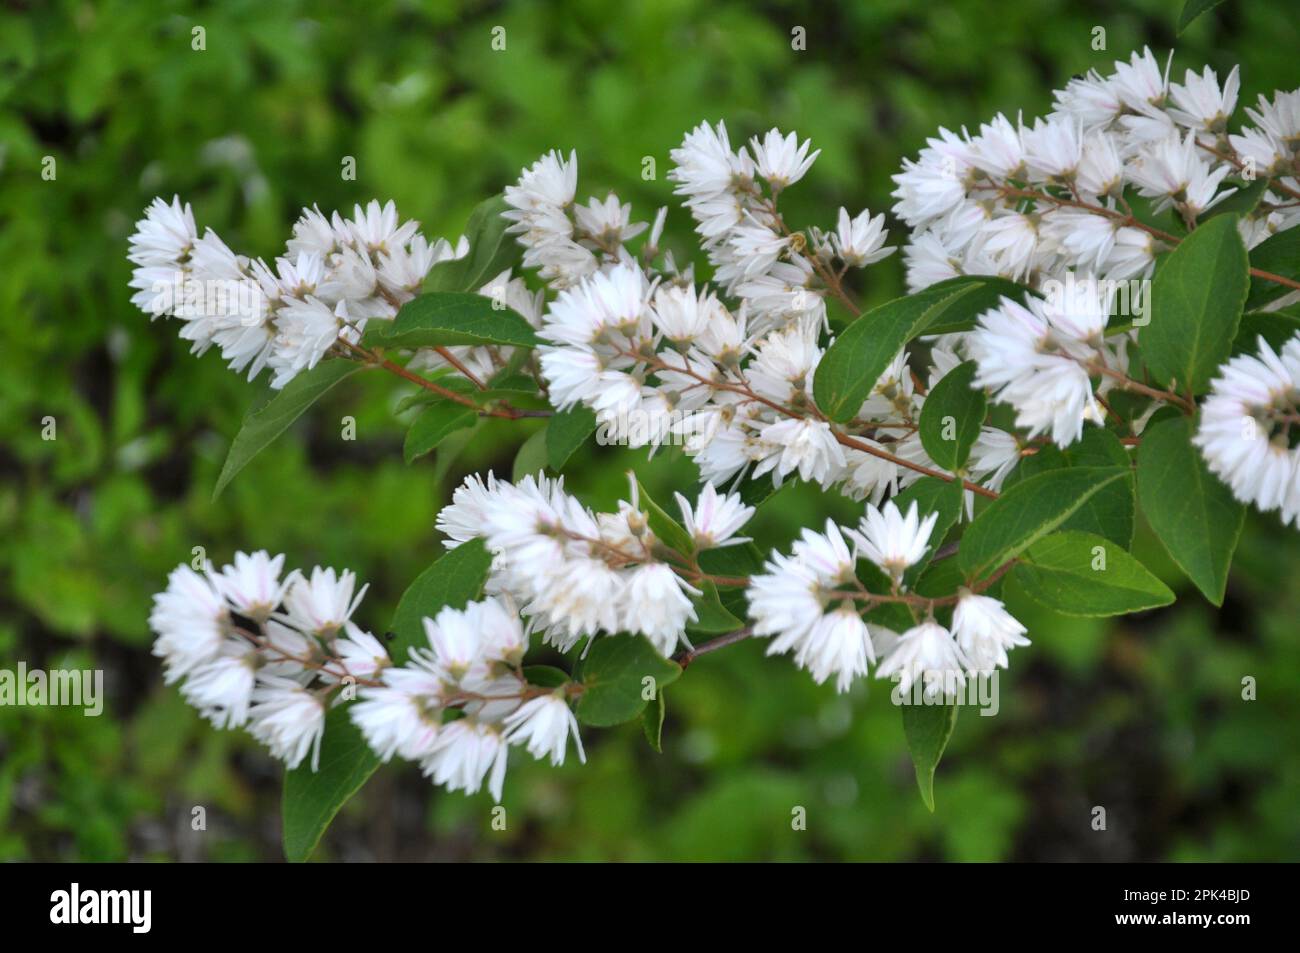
1142,715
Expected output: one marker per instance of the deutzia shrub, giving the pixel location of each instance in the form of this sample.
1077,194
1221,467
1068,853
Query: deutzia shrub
1098,323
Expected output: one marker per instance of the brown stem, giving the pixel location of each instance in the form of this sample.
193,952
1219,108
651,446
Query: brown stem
721,642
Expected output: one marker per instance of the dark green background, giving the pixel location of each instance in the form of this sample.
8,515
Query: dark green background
1141,715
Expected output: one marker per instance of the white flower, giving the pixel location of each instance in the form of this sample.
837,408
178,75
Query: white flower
455,642
362,655
499,630
985,631
715,519
222,689
1031,357
705,164
1172,171
891,540
838,644
788,598
165,235
190,620
1199,102
1054,148
1279,118
860,241
376,228
1011,240
682,315
322,603
466,753
313,233
782,160
756,246
934,185
606,301
1140,84
656,604
543,725
607,224
993,456
306,331
252,584
402,717
804,445
999,149
288,719
550,182
1244,423
925,652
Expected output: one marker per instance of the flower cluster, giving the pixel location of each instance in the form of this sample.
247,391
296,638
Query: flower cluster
335,276
255,648
727,369
456,706
1050,204
662,359
1030,202
577,573
812,601
270,652
1249,428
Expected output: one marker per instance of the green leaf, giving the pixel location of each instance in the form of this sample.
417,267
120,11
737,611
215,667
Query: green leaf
613,679
311,799
1085,575
712,617
448,318
1196,301
932,495
1194,515
1279,255
1241,202
1193,9
263,424
567,431
456,579
1097,447
927,729
960,313
1028,511
530,459
491,251
434,424
652,722
952,416
854,362
1110,512
742,560
1275,327
547,676
668,530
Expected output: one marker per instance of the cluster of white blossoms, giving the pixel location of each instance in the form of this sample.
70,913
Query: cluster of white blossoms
726,369
1250,428
812,602
335,276
567,242
1031,202
662,359
576,573
258,649
1048,204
